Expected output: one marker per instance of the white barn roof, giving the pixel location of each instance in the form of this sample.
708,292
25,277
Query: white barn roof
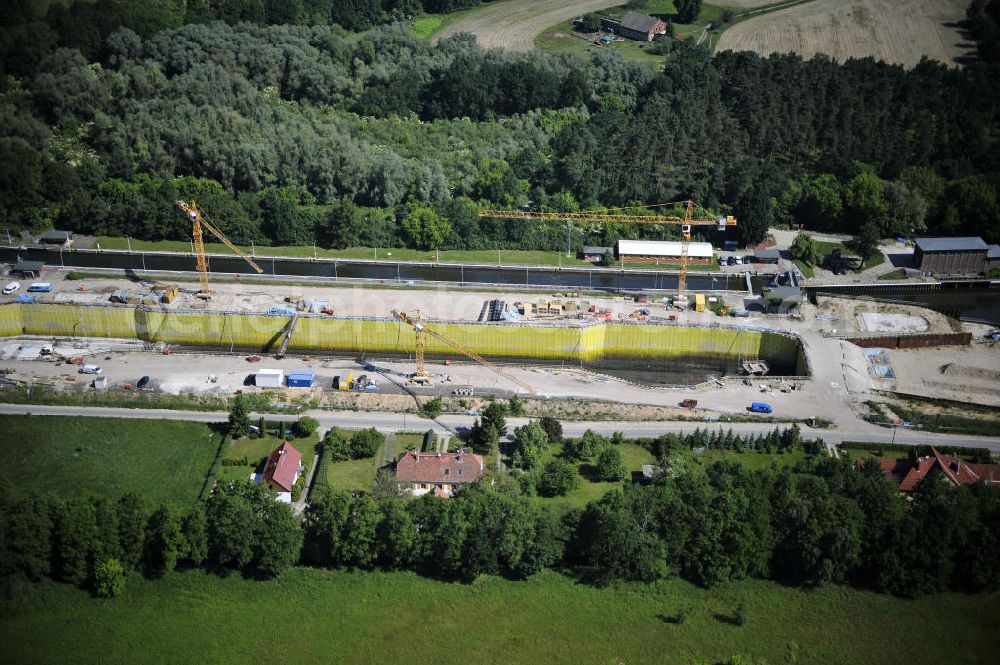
696,250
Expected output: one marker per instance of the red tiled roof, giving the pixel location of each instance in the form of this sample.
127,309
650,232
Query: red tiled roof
451,468
281,467
907,473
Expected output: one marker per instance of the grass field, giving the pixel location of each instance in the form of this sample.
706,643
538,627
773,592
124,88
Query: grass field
376,618
752,461
163,460
896,31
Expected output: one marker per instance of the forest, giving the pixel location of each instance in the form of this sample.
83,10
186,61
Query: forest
821,521
290,130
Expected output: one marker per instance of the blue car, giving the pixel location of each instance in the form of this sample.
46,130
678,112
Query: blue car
760,407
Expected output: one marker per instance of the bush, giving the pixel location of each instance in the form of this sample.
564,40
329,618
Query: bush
430,441
609,465
109,579
366,443
433,407
558,477
515,406
305,426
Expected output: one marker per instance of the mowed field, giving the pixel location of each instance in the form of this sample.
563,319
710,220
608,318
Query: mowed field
310,616
514,24
896,31
162,460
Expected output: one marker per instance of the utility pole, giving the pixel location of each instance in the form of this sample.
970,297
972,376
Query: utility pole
569,238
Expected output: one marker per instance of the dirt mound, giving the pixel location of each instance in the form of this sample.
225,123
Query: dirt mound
954,369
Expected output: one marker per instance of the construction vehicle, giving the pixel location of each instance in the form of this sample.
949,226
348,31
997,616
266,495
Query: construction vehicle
167,291
609,215
199,221
421,377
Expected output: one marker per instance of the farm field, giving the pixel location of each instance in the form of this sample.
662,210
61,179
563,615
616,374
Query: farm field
513,24
376,617
162,460
896,31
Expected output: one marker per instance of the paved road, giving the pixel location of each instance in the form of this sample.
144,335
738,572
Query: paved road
392,422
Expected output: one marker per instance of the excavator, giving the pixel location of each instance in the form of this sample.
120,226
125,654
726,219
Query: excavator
421,377
200,221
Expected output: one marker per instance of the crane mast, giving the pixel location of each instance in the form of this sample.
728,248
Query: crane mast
607,215
198,221
421,376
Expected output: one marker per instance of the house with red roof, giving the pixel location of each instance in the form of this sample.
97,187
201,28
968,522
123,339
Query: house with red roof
282,469
441,473
907,473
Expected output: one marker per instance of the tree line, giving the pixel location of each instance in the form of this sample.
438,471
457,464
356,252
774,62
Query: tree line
297,133
821,521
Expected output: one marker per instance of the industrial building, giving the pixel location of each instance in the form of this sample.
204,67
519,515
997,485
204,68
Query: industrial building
63,238
668,251
951,256
27,268
640,27
771,256
301,379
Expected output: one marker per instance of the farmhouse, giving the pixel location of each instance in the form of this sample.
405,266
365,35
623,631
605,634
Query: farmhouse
282,469
907,473
441,473
951,256
667,251
640,27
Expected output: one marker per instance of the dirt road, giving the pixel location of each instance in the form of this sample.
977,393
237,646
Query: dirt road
896,31
514,24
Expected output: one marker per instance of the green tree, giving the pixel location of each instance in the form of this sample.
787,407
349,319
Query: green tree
687,10
609,465
483,437
864,200
866,243
557,478
195,535
396,535
109,579
359,548
323,526
164,541
553,428
75,539
607,258
530,443
804,249
239,417
366,443
425,228
277,539
305,426
590,22
131,529
821,205
495,416
515,406
230,523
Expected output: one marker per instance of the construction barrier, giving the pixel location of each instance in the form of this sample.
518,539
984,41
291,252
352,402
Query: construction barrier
913,341
247,332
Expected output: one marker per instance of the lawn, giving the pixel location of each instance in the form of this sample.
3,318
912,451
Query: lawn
408,441
359,474
163,460
633,456
374,617
806,269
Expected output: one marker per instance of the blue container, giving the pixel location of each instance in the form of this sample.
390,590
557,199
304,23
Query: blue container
301,379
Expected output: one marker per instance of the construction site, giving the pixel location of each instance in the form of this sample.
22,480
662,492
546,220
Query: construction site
365,345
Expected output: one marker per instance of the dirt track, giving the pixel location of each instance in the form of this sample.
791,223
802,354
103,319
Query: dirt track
514,24
896,31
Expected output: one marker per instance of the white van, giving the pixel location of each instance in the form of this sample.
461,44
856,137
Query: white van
90,369
10,288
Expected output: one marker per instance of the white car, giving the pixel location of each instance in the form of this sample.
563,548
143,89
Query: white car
10,288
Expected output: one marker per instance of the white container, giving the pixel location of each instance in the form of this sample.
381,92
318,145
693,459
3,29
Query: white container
269,378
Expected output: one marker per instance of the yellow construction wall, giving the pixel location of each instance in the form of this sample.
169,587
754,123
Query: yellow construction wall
324,334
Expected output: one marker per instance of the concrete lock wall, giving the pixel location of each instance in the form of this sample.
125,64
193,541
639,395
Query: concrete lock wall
254,332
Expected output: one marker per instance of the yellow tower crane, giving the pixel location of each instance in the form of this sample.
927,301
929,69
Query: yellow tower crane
198,221
421,377
705,218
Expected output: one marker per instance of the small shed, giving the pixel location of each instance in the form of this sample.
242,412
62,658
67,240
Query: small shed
766,256
301,379
595,254
269,378
27,268
56,238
